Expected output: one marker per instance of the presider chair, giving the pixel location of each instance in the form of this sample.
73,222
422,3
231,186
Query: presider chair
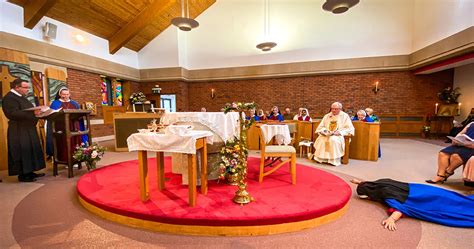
276,151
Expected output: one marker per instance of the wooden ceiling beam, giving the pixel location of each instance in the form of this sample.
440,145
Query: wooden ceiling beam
34,10
143,19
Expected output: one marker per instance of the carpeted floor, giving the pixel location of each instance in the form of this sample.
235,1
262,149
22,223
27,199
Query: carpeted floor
46,214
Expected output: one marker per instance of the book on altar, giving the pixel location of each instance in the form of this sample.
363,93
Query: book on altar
44,110
462,139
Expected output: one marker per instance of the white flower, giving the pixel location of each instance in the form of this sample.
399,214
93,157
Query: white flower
94,154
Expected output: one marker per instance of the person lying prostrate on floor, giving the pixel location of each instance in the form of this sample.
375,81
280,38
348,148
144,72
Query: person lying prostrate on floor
419,201
455,155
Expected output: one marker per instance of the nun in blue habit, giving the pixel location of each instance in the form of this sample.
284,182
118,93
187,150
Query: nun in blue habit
419,201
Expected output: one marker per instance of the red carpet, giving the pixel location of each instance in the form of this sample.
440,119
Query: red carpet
115,188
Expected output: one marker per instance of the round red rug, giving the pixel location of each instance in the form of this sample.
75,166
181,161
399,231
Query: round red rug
115,189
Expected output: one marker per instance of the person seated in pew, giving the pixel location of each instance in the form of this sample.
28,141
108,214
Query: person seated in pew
455,155
303,115
370,113
361,115
329,146
203,109
460,126
287,114
252,115
261,115
419,201
275,114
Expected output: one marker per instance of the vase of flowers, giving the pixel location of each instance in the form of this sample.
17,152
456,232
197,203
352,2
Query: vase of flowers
449,95
89,154
425,131
230,155
138,97
235,153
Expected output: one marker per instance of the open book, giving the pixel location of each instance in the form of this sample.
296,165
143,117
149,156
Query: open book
44,110
462,139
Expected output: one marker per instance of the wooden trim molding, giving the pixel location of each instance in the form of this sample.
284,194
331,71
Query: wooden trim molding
454,45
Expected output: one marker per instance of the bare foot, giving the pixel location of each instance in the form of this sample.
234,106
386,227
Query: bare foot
356,181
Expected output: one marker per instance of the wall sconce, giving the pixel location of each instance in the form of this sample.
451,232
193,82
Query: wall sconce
213,93
376,87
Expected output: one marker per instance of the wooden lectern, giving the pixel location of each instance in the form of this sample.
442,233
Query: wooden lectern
67,116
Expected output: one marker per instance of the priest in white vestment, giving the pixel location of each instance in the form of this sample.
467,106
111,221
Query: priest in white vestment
329,146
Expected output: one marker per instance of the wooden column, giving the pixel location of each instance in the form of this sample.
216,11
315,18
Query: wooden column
6,78
53,74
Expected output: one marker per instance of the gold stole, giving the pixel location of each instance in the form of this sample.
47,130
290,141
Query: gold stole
332,128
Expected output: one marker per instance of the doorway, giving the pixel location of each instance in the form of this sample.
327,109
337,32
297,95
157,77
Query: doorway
168,102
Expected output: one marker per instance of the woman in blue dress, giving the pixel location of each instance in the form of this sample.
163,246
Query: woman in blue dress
455,155
62,100
419,201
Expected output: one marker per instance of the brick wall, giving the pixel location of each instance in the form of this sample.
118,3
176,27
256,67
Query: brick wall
85,86
400,92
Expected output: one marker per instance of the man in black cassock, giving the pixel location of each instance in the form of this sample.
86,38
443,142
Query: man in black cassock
25,154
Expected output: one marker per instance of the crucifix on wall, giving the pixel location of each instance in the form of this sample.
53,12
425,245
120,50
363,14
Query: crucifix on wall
5,79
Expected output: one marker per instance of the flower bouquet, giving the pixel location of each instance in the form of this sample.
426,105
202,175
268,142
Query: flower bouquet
449,95
89,154
137,97
230,154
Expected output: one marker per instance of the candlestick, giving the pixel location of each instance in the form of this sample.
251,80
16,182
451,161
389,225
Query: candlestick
436,108
459,109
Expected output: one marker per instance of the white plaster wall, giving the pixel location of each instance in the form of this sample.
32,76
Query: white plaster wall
231,29
464,79
438,19
161,52
12,22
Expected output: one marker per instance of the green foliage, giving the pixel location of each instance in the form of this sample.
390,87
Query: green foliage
449,95
89,154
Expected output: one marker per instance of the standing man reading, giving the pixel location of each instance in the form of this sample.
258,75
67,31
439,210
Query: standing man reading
24,149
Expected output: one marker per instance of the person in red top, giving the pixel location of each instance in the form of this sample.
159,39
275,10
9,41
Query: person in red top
303,115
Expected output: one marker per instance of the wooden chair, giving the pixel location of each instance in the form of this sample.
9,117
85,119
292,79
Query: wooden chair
276,151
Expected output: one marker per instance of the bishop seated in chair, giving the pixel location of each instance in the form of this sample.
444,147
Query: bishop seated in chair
329,146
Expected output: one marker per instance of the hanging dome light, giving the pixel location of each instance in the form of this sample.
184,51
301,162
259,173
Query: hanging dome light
339,6
184,23
266,46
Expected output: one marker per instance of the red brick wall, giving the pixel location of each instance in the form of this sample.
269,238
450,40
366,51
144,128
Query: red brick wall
85,86
400,92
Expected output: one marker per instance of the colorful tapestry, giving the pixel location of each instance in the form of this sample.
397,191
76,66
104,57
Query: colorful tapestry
53,87
37,85
118,93
20,71
103,91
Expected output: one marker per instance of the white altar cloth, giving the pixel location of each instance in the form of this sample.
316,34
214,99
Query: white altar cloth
280,132
167,142
226,126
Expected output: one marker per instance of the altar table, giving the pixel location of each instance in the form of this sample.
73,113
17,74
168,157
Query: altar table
190,143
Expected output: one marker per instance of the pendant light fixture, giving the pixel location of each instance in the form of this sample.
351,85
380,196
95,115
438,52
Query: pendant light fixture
339,6
266,46
184,23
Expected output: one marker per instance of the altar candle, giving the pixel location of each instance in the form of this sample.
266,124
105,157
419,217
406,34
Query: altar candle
459,109
436,108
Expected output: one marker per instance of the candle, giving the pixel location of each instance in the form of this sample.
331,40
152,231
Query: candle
376,86
459,109
436,108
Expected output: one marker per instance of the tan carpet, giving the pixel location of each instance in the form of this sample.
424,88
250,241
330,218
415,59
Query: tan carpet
51,217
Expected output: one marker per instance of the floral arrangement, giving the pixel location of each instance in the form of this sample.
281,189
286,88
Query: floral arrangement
137,97
234,154
230,157
89,154
449,95
426,128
